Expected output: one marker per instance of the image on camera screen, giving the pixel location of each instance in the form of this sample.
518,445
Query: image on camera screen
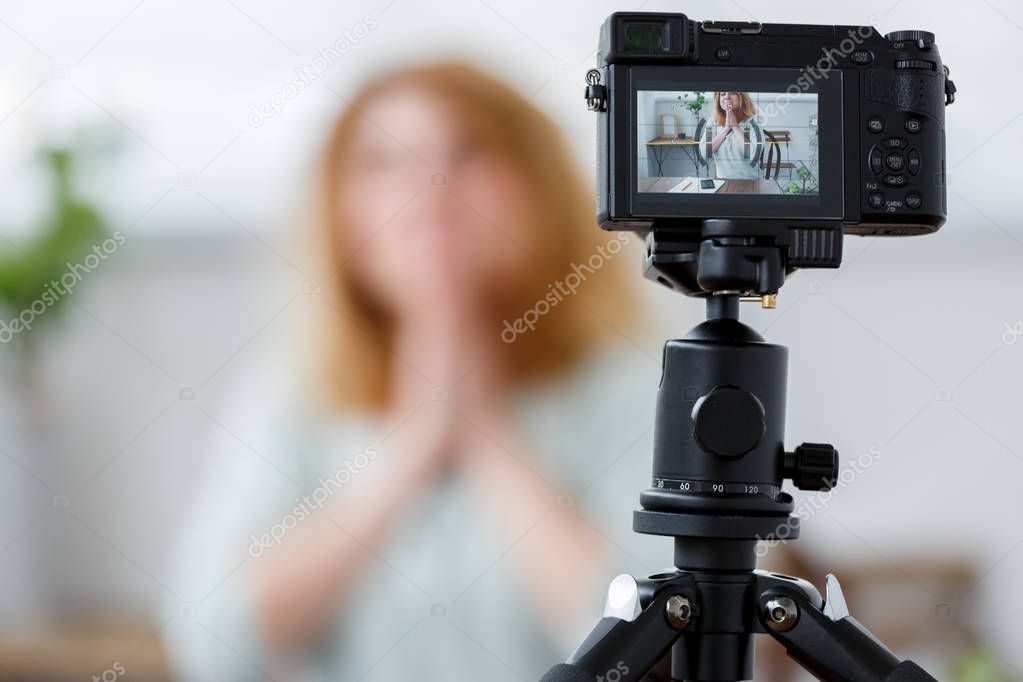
704,142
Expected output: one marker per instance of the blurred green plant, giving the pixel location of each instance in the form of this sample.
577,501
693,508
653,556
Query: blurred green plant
978,666
67,234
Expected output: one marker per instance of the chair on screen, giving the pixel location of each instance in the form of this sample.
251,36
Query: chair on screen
778,138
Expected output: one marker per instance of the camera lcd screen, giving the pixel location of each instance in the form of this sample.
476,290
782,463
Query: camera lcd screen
727,142
770,141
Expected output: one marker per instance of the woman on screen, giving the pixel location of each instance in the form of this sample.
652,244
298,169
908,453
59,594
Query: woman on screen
736,145
429,504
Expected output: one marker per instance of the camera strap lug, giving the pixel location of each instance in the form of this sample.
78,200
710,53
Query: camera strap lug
596,92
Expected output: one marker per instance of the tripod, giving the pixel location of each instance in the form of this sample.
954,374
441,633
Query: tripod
719,464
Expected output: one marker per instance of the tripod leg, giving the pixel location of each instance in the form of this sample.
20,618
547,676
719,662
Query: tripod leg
633,637
829,642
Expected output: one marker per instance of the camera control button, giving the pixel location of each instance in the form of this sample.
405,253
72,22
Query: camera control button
861,57
876,160
914,200
913,161
895,161
896,143
876,200
913,125
893,180
875,124
723,54
918,64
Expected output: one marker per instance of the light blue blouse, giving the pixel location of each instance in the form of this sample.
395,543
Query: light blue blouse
441,599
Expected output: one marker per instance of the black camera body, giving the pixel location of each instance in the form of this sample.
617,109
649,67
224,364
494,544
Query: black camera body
804,124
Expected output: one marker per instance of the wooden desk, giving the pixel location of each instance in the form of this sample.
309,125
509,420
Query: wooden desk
661,145
661,184
81,655
750,187
661,141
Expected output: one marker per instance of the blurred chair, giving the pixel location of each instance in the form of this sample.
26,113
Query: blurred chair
886,598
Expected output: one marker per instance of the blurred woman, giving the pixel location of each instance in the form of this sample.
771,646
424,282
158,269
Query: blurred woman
734,149
423,513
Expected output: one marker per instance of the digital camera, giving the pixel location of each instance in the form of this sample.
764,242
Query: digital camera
802,123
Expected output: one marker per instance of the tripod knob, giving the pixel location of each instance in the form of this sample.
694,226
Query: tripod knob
812,466
728,422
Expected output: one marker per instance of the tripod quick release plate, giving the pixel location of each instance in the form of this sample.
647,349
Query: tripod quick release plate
747,257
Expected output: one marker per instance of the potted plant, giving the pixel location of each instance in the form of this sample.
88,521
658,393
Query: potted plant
806,184
67,234
692,102
29,302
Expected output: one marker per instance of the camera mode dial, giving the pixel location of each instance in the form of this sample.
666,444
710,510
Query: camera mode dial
923,39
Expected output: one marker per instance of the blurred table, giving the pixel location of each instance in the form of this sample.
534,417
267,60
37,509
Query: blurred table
82,656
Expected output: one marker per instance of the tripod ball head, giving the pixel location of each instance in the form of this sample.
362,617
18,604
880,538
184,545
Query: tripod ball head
719,456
